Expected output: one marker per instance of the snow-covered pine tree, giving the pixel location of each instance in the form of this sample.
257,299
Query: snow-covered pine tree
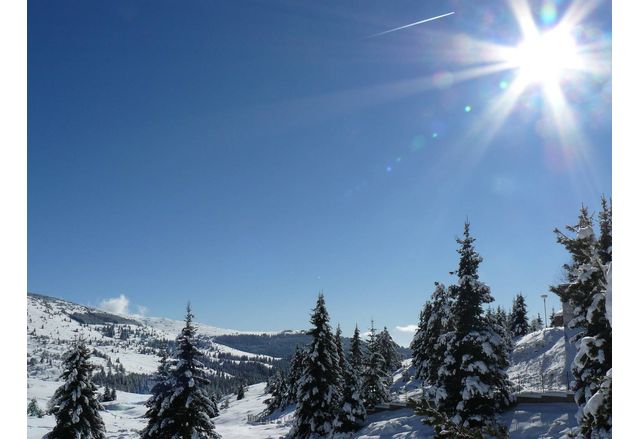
352,412
502,320
586,288
388,350
427,350
341,360
519,319
277,388
472,385
375,379
75,404
295,372
33,409
240,392
188,410
356,356
536,324
106,395
160,393
318,385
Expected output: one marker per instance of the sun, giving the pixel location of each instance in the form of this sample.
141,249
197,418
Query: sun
545,58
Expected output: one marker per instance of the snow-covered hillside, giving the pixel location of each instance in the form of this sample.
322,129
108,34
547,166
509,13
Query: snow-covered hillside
539,361
126,344
131,345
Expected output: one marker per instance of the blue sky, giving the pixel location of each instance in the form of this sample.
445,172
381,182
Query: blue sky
245,155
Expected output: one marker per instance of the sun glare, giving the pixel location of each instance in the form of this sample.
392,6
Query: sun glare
546,57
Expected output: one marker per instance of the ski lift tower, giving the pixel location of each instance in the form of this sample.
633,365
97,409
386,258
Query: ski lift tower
544,299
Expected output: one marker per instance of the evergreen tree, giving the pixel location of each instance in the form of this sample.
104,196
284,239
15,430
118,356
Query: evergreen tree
388,350
427,348
277,387
341,361
352,412
33,409
519,319
106,395
537,324
113,395
75,404
375,378
504,328
587,288
295,371
318,385
187,410
356,356
471,385
160,393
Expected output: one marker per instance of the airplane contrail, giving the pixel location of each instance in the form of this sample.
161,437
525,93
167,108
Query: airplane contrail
409,25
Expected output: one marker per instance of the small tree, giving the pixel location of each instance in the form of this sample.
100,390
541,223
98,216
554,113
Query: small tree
375,377
75,404
519,319
240,392
388,349
33,409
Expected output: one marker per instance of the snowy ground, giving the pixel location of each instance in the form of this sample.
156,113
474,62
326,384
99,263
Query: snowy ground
123,418
539,361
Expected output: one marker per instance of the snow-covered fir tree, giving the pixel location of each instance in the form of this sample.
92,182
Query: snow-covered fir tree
375,379
33,409
427,349
75,404
277,388
388,349
341,360
472,384
587,288
188,411
356,354
519,319
318,391
501,319
352,412
160,393
295,371
240,392
536,324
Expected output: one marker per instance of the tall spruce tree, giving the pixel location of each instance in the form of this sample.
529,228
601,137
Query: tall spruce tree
586,287
318,385
75,403
427,348
388,349
160,393
188,410
472,384
519,319
375,377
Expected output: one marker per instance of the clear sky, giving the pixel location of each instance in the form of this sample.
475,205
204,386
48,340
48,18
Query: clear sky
246,154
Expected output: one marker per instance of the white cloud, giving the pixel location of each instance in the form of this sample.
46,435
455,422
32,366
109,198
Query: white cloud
116,305
408,328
